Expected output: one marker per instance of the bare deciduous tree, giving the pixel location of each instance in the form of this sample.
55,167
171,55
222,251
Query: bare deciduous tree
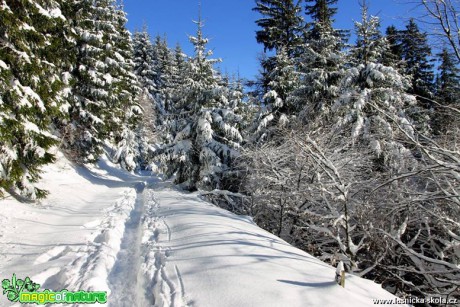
445,15
330,196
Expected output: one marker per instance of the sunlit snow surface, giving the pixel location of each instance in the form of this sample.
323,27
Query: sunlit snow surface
150,244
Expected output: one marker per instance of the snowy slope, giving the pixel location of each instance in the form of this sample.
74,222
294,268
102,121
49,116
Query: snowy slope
147,243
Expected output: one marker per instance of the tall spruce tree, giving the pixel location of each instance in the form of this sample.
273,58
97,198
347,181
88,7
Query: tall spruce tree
322,14
85,131
164,70
144,62
178,70
127,89
416,53
282,31
393,57
175,68
236,101
281,28
322,61
447,92
373,96
278,106
105,85
204,129
281,25
144,68
33,49
370,45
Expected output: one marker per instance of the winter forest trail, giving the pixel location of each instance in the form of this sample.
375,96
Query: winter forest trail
125,275
93,234
147,243
139,276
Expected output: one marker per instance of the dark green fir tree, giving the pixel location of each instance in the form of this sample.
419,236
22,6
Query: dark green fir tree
447,92
416,53
321,64
105,85
32,53
204,130
281,30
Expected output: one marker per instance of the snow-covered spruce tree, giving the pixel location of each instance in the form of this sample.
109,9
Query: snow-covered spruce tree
144,62
104,84
236,101
83,134
278,108
393,56
144,68
369,46
281,28
172,92
281,25
179,69
369,92
204,129
169,68
163,57
416,53
32,53
146,132
126,87
447,94
321,64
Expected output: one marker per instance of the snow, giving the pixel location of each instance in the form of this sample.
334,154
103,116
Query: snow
42,11
119,57
28,126
204,128
3,65
4,6
66,77
31,93
148,243
52,13
56,13
26,27
108,78
10,153
376,147
31,127
358,126
271,94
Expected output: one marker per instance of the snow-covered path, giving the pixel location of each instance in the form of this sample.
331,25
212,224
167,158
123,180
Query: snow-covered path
166,286
150,244
126,281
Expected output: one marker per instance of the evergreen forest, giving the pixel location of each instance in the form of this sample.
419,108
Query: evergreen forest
348,149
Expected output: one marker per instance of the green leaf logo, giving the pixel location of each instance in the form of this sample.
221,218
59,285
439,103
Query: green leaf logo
5,284
13,288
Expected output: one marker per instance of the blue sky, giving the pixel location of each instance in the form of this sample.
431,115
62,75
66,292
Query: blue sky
230,25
